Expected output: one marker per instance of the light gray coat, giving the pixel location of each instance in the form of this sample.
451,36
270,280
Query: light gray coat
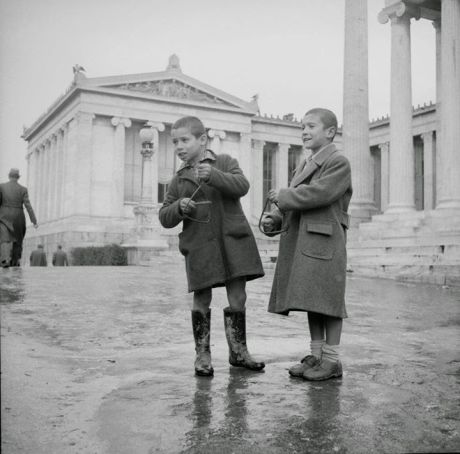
311,267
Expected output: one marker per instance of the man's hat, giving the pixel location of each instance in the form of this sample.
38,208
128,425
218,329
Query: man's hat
14,173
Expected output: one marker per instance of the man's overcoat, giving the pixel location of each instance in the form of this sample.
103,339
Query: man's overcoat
311,267
224,248
13,197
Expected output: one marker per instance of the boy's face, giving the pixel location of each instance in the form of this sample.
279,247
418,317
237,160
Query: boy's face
314,135
187,147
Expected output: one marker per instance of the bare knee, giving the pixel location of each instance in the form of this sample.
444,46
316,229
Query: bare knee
202,300
236,294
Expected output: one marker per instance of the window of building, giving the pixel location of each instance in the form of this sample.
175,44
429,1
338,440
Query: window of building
268,168
294,156
162,190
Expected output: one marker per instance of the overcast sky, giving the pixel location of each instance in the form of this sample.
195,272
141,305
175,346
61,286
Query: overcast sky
290,52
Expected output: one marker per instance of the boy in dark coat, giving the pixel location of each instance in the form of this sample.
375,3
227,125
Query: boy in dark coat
13,197
311,268
216,239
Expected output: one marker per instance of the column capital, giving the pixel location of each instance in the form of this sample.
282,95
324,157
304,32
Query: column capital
257,144
384,147
63,128
215,133
120,121
160,127
427,136
399,11
436,24
284,147
85,115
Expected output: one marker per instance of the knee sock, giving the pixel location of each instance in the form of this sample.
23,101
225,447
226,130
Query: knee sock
316,347
331,352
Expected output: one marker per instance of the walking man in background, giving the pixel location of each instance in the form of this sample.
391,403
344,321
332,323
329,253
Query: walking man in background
60,257
38,257
13,197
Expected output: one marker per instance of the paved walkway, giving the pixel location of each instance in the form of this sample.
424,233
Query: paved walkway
100,360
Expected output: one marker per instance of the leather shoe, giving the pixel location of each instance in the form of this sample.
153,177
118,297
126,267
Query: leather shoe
324,370
297,370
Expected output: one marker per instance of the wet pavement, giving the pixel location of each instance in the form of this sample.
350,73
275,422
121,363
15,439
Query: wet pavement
100,360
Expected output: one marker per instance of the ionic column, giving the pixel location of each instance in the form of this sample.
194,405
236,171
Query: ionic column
355,132
216,137
31,176
257,169
84,152
40,188
118,163
150,178
437,162
402,172
282,166
36,171
385,174
428,174
46,180
55,175
61,173
244,161
448,175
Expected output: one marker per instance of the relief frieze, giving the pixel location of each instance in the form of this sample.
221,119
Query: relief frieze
171,89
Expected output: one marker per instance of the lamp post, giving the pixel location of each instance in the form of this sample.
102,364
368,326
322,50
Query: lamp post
145,211
147,136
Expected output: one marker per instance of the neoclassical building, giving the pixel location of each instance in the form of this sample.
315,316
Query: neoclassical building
87,175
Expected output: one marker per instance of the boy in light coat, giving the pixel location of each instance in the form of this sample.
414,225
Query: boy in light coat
311,267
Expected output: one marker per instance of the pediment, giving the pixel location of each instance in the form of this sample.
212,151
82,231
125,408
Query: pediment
172,88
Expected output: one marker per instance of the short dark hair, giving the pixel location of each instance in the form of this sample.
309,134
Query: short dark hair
193,123
327,117
59,246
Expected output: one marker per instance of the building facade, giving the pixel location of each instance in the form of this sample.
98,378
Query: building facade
85,167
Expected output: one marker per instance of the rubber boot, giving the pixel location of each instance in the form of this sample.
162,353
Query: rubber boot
202,333
235,331
5,253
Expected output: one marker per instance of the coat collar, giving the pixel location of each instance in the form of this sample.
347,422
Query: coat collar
208,155
311,165
323,154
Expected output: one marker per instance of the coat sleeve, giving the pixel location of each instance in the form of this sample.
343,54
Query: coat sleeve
329,187
231,181
26,202
170,214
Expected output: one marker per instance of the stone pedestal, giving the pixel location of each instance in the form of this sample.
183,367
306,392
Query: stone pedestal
147,241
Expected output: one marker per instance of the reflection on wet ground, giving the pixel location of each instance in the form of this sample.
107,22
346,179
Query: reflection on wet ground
104,357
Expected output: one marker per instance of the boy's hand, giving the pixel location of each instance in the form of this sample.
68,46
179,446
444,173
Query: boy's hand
273,196
186,205
203,171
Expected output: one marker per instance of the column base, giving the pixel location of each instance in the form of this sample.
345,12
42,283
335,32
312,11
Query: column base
448,205
400,209
362,212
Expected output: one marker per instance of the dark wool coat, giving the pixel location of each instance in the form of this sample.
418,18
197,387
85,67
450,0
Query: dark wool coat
311,267
225,248
60,258
38,258
13,197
